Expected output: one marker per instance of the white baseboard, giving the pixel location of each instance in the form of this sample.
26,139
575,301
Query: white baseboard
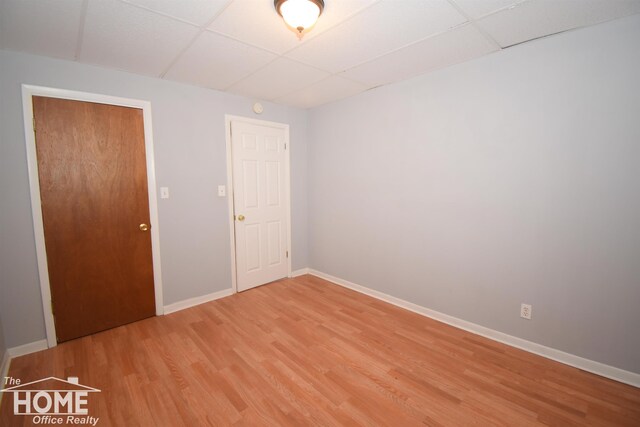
32,347
4,368
21,350
300,272
181,305
4,371
594,367
171,308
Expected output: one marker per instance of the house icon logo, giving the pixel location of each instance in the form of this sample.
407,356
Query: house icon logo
51,399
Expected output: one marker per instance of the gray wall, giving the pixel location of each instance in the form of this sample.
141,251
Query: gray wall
3,346
512,178
189,141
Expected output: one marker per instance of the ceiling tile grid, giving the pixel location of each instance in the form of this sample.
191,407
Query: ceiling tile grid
256,23
196,12
277,79
216,62
244,47
532,19
452,47
382,28
125,37
336,12
477,8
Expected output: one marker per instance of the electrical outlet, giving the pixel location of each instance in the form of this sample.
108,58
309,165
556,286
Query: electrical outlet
525,311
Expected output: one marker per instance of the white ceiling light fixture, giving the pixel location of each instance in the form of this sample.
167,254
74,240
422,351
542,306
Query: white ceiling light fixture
300,15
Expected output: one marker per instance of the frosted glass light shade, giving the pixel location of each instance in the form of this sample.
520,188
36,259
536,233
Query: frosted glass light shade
299,14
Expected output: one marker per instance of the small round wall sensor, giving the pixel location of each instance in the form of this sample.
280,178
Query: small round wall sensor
257,108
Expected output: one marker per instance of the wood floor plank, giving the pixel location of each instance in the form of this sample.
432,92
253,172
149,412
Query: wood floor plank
306,352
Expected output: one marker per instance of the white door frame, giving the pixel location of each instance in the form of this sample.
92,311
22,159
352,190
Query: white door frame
287,183
28,91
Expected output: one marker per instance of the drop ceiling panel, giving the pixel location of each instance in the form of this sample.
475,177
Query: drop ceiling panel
379,29
279,78
336,12
198,12
537,18
256,23
118,35
330,89
450,48
477,8
243,46
48,27
216,61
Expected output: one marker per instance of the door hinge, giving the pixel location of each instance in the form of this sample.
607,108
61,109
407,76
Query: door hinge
34,124
287,252
52,310
285,145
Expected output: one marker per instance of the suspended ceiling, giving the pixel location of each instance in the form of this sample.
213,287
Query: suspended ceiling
243,47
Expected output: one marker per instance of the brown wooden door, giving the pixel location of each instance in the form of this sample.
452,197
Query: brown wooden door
93,187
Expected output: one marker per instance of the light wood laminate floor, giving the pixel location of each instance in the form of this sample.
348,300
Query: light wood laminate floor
306,352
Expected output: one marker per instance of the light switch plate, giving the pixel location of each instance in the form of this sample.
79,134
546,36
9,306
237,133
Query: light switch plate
222,191
164,192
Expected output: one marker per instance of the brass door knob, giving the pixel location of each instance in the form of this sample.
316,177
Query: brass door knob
240,217
144,227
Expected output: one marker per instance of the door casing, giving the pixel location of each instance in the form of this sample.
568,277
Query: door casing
287,184
28,91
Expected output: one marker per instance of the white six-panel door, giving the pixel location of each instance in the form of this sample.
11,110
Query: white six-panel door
260,203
